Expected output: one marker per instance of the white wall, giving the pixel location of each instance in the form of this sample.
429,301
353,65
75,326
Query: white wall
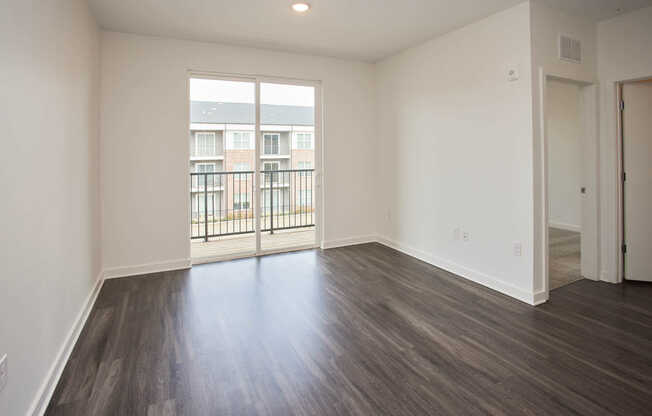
546,26
49,214
144,150
564,131
624,54
456,151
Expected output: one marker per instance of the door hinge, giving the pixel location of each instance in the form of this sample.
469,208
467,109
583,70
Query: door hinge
622,105
624,176
624,248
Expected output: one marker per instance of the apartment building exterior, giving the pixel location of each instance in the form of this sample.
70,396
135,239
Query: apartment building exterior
221,142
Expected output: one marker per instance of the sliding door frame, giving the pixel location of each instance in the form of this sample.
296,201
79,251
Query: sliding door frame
318,141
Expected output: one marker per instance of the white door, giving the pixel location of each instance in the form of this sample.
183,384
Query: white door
637,162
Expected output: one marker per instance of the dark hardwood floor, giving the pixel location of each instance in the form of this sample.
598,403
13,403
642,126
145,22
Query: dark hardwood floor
357,330
565,257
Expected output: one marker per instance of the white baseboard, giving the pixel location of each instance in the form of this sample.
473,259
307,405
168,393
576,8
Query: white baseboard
363,239
540,297
606,276
196,261
164,266
467,273
44,394
564,226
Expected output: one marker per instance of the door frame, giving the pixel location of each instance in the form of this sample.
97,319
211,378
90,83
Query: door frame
590,124
318,140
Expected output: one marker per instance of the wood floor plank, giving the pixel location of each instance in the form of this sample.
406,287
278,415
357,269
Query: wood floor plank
360,330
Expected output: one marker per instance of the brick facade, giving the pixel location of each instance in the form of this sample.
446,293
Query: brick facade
290,184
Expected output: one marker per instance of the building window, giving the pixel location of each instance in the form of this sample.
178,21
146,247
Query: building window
241,167
304,141
205,144
304,198
271,200
304,165
271,166
240,201
199,201
271,144
213,180
241,140
205,168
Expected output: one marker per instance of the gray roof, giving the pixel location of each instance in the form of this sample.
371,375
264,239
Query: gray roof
240,113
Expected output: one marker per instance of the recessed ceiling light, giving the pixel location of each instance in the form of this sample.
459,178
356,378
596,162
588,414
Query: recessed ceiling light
300,7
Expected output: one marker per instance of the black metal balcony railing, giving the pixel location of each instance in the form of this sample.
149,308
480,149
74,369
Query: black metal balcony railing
222,203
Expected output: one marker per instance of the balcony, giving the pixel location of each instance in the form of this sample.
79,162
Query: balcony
207,157
198,155
274,156
222,221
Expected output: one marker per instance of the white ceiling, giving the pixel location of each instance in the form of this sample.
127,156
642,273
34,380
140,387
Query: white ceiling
360,29
598,9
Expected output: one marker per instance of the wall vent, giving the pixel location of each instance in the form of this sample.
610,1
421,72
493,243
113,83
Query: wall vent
570,49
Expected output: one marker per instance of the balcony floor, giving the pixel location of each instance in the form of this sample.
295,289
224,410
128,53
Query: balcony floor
219,248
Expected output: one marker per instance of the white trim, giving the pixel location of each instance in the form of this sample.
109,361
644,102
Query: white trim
206,158
140,269
543,220
44,394
196,261
274,128
241,127
609,277
542,262
564,226
188,181
540,297
309,246
476,276
351,241
319,165
207,126
318,140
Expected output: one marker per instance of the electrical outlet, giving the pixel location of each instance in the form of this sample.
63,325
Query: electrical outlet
456,234
3,372
466,236
518,249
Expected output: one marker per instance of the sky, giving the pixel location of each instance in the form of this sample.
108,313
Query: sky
244,92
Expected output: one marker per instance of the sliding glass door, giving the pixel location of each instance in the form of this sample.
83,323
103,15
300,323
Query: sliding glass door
287,158
254,171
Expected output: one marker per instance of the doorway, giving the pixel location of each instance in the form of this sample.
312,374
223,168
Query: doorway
254,166
571,178
636,134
